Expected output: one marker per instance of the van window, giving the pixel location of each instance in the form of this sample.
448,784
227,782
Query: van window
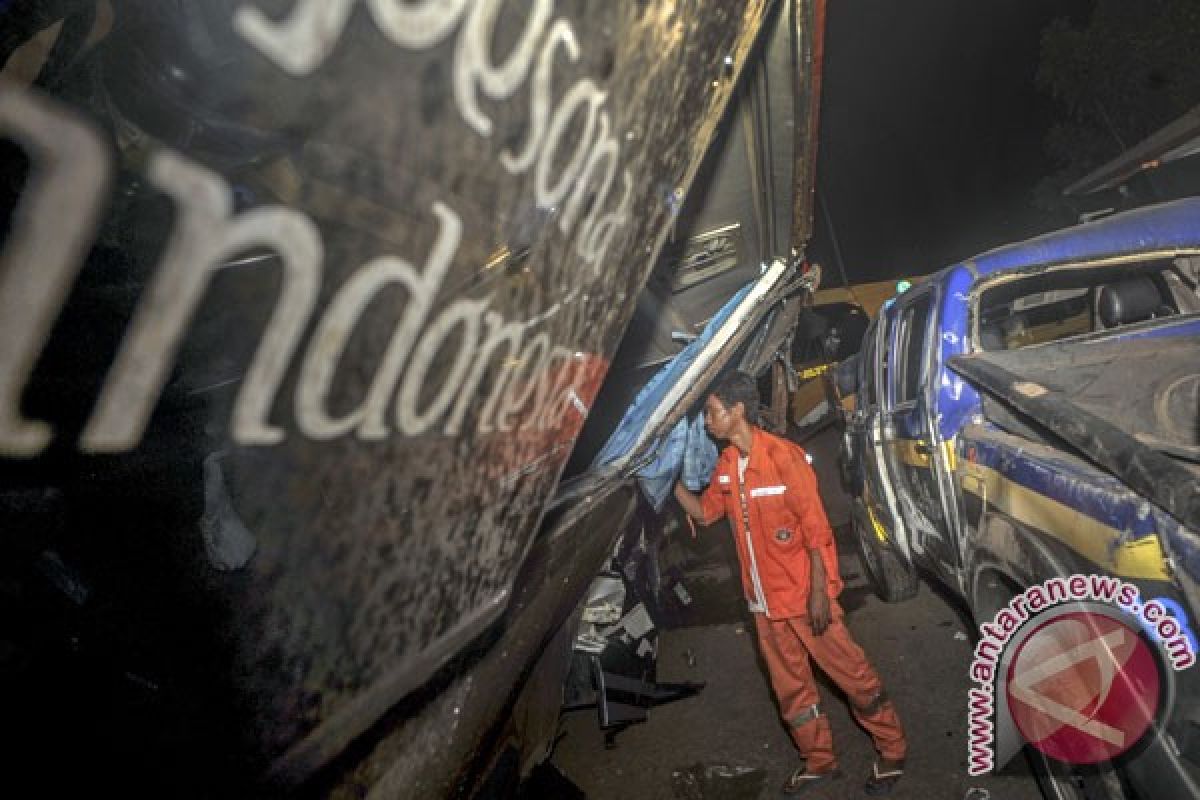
1082,299
913,326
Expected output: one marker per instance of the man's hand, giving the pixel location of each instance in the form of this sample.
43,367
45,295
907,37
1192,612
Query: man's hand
818,610
690,502
818,596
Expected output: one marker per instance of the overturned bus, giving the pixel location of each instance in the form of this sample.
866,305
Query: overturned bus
303,307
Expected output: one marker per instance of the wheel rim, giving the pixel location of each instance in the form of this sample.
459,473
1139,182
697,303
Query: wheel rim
1061,782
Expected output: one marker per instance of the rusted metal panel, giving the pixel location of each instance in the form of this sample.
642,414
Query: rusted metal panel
446,743
298,300
810,33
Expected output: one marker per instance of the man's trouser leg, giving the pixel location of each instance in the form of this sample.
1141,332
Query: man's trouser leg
845,663
796,691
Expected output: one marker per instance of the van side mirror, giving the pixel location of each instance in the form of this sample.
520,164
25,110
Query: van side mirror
847,376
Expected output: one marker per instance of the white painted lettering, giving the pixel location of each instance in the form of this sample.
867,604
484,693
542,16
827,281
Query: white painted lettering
550,374
300,43
582,96
52,226
416,24
604,151
596,241
305,39
473,65
522,383
383,388
539,109
533,377
499,333
339,321
204,237
464,314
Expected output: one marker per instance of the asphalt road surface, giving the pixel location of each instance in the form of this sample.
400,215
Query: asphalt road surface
920,647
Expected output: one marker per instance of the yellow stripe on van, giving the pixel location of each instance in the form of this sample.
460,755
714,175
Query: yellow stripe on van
1101,544
880,532
906,452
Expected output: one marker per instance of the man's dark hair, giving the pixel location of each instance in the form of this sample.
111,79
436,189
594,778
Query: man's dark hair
738,387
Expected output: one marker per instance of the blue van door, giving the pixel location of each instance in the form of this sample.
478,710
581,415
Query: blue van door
911,444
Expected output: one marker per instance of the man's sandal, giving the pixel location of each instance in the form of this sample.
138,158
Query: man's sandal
882,781
802,780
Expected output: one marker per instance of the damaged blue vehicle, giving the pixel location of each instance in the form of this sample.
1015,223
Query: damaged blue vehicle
1034,412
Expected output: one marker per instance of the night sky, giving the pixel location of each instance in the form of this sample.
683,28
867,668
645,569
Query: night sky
931,131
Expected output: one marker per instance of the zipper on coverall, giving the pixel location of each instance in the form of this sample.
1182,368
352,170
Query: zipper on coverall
759,596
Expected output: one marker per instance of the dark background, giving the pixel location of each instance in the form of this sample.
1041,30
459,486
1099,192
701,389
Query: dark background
939,140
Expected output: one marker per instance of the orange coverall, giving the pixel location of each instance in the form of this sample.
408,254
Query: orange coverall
777,517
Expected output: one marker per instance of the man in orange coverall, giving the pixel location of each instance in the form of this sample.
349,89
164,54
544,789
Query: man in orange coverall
766,487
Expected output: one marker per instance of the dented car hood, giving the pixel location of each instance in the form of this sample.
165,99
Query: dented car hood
1127,400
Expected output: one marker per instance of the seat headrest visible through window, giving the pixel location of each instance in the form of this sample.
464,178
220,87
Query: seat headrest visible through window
1130,300
991,339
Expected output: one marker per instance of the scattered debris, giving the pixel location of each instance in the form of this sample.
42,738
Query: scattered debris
590,642
718,782
637,623
603,613
682,594
689,657
606,596
960,636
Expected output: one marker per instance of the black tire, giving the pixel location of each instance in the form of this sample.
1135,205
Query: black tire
893,580
1064,782
1056,780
